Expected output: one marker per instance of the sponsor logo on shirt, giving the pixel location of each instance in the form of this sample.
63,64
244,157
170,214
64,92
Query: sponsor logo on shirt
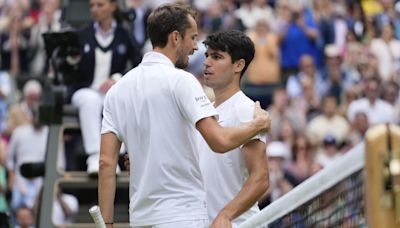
201,99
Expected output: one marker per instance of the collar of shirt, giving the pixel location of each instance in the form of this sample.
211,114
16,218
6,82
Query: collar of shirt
109,33
157,57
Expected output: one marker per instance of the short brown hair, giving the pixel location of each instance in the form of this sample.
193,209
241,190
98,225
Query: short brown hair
166,19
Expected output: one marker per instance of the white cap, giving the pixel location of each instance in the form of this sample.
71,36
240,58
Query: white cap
331,50
278,149
32,87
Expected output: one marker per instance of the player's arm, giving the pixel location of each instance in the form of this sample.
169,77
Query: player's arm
255,186
109,152
222,139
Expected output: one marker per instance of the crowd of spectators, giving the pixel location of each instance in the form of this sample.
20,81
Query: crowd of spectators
326,70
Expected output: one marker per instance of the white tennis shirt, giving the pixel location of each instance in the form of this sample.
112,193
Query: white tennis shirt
225,174
153,110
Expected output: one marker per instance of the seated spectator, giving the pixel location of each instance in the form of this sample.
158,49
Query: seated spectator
25,217
336,74
360,126
21,113
280,110
387,50
303,164
349,95
27,144
328,153
391,95
329,122
308,70
377,110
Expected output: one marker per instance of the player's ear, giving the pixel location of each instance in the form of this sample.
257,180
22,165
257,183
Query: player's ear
239,65
175,38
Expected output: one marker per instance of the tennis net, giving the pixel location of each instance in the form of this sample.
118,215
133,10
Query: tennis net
334,197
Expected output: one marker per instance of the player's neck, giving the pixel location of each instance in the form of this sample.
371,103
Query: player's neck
168,52
223,94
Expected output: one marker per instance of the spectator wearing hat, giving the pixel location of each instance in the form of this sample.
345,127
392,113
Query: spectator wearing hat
329,152
329,122
280,181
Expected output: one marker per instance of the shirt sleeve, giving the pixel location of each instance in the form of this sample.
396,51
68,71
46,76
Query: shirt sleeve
108,123
244,113
191,99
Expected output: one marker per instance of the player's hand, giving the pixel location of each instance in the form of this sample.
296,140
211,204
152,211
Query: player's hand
127,163
262,118
221,221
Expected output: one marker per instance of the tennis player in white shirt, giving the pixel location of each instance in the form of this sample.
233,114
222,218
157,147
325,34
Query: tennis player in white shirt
233,181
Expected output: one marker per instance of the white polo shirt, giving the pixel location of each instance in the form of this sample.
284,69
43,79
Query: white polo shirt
153,110
378,113
225,174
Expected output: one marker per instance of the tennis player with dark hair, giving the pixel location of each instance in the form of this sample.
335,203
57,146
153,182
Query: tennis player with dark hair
233,181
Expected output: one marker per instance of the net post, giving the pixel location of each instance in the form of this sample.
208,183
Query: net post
382,147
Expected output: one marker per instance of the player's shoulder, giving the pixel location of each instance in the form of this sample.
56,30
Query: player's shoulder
243,107
183,78
182,74
243,102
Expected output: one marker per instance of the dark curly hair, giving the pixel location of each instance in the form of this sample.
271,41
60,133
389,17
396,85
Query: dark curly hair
236,43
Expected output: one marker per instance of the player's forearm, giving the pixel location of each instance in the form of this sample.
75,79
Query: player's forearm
107,187
252,190
109,151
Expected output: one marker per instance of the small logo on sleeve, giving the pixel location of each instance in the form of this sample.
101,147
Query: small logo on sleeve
201,99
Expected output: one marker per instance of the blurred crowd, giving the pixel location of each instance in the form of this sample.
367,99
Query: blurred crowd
326,70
